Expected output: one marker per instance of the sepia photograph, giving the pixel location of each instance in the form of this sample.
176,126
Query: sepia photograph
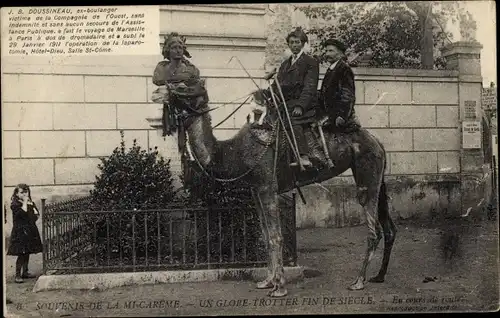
249,159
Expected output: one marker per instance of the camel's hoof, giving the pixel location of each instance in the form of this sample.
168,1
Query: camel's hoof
357,285
278,292
266,284
377,279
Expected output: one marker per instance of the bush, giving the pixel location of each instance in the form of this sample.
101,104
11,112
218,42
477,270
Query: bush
133,179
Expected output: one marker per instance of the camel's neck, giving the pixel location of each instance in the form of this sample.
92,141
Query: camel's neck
201,139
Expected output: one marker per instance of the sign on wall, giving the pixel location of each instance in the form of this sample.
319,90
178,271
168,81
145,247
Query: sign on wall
489,98
471,134
470,109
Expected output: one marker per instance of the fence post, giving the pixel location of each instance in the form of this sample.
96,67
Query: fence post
44,237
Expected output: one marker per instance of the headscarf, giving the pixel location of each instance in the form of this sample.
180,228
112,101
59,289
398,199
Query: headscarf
172,38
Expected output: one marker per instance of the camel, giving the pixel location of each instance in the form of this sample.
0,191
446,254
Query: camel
250,156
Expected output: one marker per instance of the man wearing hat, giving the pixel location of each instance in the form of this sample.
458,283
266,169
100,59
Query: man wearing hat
298,78
337,94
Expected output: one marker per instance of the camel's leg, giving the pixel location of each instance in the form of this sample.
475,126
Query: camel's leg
374,236
271,215
368,175
389,229
266,283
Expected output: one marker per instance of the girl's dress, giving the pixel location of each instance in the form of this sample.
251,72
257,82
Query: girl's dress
25,237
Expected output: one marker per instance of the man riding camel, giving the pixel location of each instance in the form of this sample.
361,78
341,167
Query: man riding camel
337,94
298,78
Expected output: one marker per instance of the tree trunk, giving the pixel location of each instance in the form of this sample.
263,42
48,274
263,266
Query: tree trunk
427,45
424,12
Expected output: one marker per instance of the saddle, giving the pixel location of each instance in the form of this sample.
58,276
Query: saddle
287,175
262,133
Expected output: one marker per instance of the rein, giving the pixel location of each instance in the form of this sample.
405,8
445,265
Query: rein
275,126
194,112
232,113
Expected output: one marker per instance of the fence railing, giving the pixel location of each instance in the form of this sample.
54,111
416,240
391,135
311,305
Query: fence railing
79,240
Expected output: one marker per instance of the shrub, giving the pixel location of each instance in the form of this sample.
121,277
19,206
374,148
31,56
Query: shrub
244,229
133,179
204,190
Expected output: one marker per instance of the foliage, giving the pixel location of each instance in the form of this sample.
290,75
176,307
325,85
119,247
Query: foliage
235,199
240,219
130,179
278,27
204,190
391,33
133,179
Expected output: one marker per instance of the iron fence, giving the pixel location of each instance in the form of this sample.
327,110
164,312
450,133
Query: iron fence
79,240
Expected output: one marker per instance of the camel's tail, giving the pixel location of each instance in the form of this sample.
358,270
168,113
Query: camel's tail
383,202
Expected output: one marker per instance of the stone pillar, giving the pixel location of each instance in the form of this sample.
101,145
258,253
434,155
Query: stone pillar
464,57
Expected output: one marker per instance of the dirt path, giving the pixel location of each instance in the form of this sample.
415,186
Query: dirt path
334,255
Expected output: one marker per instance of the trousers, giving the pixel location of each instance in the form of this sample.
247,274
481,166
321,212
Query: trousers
298,131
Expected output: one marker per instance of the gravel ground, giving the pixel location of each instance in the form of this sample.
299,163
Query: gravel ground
469,282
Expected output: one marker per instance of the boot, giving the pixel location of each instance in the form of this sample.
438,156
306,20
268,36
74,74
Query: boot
28,275
19,265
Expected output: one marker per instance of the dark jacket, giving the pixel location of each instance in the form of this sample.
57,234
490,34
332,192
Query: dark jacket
299,83
337,95
25,237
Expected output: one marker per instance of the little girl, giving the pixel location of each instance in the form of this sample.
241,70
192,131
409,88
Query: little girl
25,238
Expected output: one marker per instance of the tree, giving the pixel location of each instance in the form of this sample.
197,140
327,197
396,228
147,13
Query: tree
394,34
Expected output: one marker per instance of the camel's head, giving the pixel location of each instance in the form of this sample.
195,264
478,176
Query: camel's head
261,100
262,97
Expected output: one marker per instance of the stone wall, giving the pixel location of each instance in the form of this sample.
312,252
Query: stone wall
59,115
